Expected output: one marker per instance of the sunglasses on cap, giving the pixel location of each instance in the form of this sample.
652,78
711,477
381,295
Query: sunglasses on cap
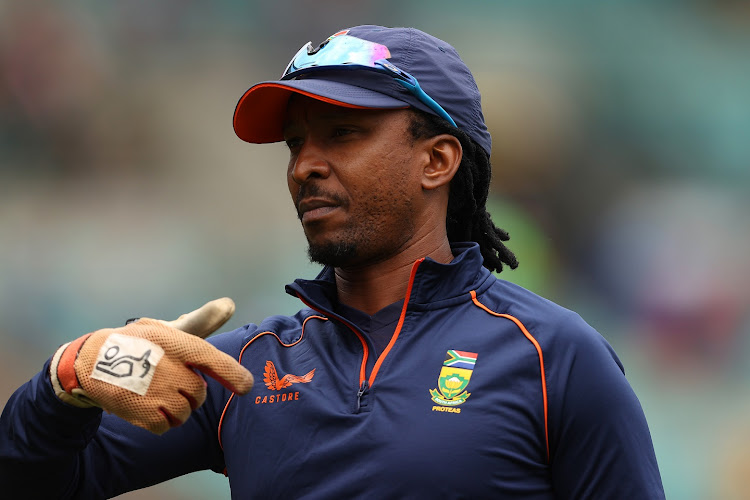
347,52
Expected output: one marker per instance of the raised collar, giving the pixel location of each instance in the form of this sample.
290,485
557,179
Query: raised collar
435,285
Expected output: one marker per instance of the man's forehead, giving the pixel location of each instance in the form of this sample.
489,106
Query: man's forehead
301,108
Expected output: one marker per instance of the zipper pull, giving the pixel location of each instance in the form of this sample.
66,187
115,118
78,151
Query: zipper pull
360,393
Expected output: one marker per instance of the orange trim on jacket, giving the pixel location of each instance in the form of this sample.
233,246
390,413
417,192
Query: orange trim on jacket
239,359
400,324
366,351
531,338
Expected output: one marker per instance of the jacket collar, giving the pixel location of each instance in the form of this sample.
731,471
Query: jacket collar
435,284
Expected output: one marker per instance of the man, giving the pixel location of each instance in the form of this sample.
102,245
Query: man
411,372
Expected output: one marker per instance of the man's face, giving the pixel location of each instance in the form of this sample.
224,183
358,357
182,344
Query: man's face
354,178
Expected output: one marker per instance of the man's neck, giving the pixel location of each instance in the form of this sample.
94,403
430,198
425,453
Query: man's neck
370,288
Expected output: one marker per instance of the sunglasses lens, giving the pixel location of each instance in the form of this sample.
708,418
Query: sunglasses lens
343,50
337,51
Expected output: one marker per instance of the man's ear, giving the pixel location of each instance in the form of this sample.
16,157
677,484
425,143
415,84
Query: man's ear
444,153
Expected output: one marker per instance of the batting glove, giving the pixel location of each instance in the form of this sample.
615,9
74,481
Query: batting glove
146,371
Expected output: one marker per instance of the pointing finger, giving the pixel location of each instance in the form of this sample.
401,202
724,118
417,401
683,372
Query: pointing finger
196,353
206,319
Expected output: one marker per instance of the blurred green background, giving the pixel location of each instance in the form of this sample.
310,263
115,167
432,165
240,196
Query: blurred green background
621,169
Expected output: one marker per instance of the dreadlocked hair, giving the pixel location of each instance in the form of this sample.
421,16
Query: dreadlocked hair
468,219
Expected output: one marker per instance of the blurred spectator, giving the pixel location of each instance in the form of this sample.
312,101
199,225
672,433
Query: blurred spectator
51,76
674,257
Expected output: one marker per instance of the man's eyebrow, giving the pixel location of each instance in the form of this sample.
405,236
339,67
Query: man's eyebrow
329,116
338,114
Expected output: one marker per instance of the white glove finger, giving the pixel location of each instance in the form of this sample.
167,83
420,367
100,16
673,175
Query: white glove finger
206,319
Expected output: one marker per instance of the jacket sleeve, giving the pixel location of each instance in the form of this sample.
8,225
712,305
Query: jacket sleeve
49,449
599,439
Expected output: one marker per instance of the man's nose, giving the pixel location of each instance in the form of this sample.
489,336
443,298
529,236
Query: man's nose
310,162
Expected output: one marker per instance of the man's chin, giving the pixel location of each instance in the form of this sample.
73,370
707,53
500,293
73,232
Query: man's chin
336,254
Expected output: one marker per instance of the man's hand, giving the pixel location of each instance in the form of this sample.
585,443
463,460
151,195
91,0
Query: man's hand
145,371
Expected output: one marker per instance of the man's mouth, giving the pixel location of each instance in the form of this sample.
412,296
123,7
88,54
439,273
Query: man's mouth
311,209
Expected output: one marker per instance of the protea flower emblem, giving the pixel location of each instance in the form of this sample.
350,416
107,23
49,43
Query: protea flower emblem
452,385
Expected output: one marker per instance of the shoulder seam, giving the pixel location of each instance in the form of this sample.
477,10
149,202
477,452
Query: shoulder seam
538,348
239,359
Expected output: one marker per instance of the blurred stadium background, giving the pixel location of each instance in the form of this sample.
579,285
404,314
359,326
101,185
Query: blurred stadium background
622,170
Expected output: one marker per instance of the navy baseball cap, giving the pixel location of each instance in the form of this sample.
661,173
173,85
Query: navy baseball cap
369,67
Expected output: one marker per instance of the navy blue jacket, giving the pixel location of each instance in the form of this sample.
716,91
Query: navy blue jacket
484,391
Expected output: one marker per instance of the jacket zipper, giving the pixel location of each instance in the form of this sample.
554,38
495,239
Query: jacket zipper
366,383
360,393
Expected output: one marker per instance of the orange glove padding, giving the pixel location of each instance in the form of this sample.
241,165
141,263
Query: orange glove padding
144,372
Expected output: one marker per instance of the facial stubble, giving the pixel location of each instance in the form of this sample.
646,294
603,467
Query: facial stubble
371,236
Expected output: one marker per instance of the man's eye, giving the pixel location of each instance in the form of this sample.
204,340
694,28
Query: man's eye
341,131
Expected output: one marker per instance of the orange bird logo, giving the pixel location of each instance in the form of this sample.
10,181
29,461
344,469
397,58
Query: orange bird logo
273,382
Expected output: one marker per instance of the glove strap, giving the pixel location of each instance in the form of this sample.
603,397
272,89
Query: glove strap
63,374
66,371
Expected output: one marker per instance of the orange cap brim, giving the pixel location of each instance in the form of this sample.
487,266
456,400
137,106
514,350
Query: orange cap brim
260,112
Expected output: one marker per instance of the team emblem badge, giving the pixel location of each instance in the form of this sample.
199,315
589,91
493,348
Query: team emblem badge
454,378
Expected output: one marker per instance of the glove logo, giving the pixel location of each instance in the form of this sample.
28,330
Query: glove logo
127,362
122,366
